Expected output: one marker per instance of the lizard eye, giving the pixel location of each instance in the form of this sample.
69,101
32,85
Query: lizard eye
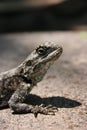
41,50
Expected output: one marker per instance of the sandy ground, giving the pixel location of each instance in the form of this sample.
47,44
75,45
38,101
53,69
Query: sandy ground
64,86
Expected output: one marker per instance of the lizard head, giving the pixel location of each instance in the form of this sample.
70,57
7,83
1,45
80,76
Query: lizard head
38,62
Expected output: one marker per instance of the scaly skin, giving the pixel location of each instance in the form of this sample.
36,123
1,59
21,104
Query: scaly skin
16,84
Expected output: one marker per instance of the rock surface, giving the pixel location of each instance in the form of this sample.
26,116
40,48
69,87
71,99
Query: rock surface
64,86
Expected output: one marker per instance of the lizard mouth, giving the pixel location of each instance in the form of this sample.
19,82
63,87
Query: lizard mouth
54,55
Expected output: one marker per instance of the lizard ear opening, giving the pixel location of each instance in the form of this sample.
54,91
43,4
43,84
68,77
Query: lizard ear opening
29,63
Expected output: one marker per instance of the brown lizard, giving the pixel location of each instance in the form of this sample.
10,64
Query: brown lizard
16,84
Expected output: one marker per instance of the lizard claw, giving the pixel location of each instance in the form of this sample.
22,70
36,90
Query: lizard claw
48,110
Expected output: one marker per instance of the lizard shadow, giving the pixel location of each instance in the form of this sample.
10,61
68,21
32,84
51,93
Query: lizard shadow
57,101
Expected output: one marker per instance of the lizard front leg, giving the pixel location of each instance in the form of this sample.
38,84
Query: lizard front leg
17,105
18,97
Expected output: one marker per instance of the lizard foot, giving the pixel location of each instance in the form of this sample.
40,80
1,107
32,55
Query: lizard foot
46,110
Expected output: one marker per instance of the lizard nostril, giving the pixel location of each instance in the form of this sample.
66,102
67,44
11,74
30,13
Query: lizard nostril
60,49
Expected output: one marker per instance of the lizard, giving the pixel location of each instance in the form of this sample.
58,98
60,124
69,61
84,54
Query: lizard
16,84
